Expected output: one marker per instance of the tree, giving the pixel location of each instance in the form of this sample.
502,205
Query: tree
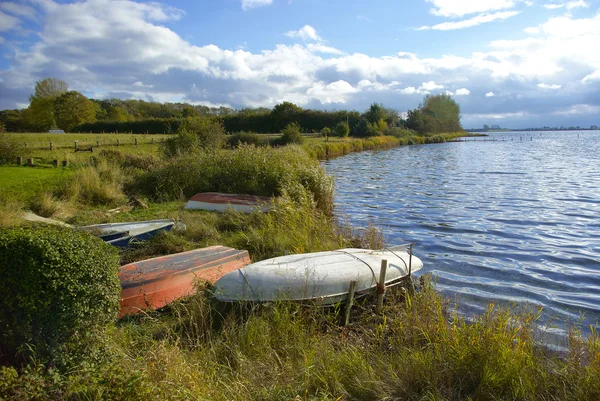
292,134
40,113
342,129
50,88
364,129
444,111
73,108
375,113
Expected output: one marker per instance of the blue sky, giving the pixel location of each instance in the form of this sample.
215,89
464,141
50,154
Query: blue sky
515,63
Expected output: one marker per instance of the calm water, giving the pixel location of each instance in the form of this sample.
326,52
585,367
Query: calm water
513,220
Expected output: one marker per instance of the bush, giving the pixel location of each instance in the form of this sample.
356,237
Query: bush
196,133
59,292
246,138
342,129
245,170
291,134
10,149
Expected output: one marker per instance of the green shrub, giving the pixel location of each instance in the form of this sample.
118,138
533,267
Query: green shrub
59,291
194,134
246,138
342,129
291,134
10,149
246,170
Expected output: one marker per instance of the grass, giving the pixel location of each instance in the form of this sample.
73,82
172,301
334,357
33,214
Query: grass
201,349
26,183
198,349
42,140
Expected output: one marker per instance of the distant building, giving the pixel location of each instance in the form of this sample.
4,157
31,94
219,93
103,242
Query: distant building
496,127
56,131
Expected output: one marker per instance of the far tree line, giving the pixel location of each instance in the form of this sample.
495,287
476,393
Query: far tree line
54,106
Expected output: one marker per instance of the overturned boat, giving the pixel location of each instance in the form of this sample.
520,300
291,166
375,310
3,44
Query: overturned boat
153,283
322,277
219,202
122,234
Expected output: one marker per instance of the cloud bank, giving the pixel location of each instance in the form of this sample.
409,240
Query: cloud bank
123,50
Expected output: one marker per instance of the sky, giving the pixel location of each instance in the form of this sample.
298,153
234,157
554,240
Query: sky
514,63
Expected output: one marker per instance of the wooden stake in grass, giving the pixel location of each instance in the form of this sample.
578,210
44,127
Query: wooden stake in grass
349,302
381,284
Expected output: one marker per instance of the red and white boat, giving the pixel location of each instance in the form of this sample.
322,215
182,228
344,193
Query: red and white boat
153,283
219,202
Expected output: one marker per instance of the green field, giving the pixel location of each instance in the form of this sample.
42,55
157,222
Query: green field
24,183
43,140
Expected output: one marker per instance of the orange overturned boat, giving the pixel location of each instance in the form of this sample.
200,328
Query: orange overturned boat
219,202
153,283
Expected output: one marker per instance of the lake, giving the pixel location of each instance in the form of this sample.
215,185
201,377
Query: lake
512,218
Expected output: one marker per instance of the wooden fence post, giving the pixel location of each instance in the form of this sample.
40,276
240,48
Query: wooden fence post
20,160
381,285
349,302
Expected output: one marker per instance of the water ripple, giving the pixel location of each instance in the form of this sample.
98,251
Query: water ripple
508,222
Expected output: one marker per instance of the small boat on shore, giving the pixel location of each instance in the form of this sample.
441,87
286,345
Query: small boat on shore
122,234
322,277
219,202
153,283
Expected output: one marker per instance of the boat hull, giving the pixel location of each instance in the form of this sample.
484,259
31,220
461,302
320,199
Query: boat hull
322,277
153,283
219,202
122,234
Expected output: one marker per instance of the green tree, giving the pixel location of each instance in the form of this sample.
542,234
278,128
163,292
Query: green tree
375,113
444,111
342,129
40,113
73,108
195,134
292,134
365,129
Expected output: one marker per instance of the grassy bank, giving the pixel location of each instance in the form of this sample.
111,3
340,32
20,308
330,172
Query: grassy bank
202,350
198,350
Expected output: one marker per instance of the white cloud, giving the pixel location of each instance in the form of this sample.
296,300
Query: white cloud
123,52
593,77
579,109
460,8
306,33
8,22
430,86
549,86
462,92
474,21
320,48
248,4
363,18
21,10
490,94
569,5
532,30
140,84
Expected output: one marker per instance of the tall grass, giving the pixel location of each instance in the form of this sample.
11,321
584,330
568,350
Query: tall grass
245,170
199,349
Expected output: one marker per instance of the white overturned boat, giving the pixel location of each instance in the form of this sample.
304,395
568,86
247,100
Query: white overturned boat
323,277
121,234
219,202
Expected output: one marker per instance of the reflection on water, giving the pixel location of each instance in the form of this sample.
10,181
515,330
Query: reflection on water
515,220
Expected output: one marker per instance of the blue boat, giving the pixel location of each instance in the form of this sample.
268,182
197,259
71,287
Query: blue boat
123,234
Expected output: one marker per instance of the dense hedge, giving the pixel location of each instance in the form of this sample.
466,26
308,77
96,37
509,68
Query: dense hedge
152,126
309,120
59,291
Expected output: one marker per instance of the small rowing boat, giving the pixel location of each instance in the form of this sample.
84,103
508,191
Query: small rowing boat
322,277
219,202
153,283
122,234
